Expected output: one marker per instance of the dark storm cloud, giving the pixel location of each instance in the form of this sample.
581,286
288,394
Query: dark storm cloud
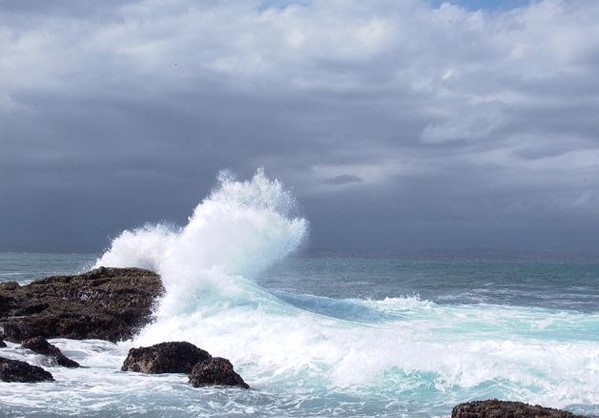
408,124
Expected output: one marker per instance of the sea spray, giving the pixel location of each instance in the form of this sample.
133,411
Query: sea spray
242,227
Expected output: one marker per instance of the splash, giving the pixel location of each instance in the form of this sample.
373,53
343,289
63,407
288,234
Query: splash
238,230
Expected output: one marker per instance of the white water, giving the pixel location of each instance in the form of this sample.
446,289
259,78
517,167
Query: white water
316,356
241,228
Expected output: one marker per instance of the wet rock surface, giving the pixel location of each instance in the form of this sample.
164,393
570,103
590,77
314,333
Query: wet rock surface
216,371
106,303
169,357
2,344
505,409
19,371
183,357
39,345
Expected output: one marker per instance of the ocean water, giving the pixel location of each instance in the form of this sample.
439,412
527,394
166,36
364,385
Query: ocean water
322,336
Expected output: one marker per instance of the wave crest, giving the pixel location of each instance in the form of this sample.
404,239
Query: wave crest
238,230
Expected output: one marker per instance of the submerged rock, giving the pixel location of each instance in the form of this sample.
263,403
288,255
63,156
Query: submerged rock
504,409
19,371
106,303
39,345
215,371
170,357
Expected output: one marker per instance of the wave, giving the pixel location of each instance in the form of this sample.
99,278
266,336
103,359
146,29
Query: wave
309,344
237,231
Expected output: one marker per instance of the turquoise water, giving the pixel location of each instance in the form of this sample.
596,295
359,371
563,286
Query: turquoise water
367,337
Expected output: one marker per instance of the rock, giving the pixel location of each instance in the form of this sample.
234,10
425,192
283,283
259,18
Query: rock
106,303
39,345
504,409
170,357
19,371
2,344
215,371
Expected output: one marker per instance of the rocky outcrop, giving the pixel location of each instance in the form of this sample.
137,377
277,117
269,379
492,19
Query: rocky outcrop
19,371
183,357
39,345
171,357
216,371
106,303
504,409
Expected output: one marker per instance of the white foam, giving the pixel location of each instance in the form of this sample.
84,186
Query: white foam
242,227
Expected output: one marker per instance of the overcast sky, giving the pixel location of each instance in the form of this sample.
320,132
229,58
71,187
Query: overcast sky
398,125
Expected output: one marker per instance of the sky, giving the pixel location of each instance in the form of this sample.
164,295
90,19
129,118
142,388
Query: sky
398,125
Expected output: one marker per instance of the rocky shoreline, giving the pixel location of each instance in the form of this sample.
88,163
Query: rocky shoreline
106,303
114,304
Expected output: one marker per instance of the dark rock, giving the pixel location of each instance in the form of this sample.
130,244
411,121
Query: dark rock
504,409
106,303
39,345
19,371
171,357
5,300
2,344
215,371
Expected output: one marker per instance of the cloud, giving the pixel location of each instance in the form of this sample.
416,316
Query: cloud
474,122
427,112
342,179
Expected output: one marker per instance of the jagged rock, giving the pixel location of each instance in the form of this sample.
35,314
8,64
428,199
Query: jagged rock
504,409
39,345
19,371
170,357
215,371
106,303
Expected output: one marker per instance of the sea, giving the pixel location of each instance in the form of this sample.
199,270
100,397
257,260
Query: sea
322,336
